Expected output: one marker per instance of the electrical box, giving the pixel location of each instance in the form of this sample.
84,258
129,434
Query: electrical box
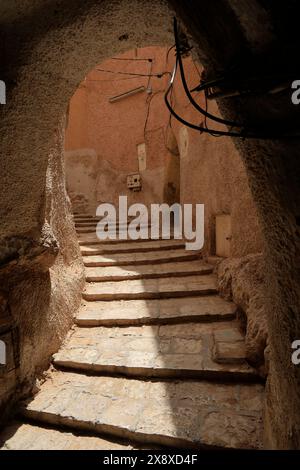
9,343
9,359
223,235
134,182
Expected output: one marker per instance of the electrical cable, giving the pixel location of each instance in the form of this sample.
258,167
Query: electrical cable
186,88
149,101
168,52
188,124
158,75
134,58
202,129
214,132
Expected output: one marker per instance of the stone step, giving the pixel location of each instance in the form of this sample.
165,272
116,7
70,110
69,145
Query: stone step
87,218
151,288
86,223
132,247
86,230
183,413
119,227
94,222
156,311
24,436
81,214
167,351
148,271
131,259
91,227
96,217
91,239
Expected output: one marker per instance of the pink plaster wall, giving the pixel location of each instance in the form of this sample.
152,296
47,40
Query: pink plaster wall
102,138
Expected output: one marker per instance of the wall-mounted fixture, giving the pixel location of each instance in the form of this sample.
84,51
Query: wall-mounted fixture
9,351
113,99
142,156
2,92
134,182
223,235
9,343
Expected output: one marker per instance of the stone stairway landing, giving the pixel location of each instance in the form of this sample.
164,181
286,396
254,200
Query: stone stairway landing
208,350
156,358
207,308
177,413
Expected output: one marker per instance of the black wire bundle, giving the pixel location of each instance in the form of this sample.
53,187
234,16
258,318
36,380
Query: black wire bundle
217,133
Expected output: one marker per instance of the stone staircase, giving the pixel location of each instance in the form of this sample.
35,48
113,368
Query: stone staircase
156,358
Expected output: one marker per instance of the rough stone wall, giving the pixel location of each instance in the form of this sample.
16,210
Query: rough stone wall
243,280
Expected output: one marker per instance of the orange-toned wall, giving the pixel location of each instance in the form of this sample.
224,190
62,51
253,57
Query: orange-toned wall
102,139
212,172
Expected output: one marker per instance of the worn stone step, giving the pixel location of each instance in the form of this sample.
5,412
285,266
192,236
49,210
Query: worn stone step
91,239
93,222
132,247
131,259
151,288
148,271
167,351
155,311
80,230
91,227
81,226
87,223
86,220
182,413
24,436
96,217
82,214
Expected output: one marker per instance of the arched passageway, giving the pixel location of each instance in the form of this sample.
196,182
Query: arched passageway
47,58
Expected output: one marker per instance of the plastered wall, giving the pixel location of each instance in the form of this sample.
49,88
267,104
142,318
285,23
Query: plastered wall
104,143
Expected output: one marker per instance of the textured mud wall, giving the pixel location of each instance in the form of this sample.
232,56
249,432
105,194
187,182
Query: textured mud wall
49,45
41,282
47,49
243,280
